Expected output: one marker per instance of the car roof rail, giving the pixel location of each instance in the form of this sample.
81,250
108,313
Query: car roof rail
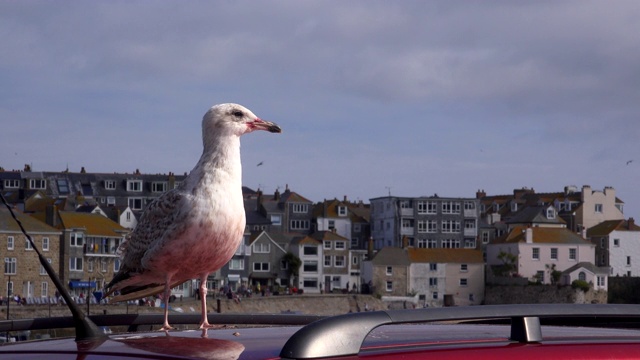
344,335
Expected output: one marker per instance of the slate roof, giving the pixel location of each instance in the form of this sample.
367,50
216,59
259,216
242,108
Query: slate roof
419,255
588,266
391,256
30,224
327,235
534,215
607,227
542,235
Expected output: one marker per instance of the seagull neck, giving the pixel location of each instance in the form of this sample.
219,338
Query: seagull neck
222,154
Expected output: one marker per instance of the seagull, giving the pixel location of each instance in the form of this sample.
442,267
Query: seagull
194,229
260,163
629,162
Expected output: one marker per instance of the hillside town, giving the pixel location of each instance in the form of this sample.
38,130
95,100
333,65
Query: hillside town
439,250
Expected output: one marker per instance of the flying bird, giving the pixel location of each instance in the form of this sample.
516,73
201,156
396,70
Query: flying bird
260,163
194,229
629,162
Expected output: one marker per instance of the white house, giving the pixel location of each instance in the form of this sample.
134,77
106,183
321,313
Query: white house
617,246
541,250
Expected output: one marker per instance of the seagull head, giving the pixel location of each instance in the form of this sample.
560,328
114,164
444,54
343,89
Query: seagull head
234,119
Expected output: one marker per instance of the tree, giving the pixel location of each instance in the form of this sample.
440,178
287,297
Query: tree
508,266
293,264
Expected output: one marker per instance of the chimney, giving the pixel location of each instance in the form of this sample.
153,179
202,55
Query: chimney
276,195
480,194
345,198
51,215
370,248
631,223
528,235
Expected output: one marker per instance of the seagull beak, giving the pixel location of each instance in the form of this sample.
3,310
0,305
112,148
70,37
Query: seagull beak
259,124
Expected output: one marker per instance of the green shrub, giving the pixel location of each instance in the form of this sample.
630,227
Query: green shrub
580,284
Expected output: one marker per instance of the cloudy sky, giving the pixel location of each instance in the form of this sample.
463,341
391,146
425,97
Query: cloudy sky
407,97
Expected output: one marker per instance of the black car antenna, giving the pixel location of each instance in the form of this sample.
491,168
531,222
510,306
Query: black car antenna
85,328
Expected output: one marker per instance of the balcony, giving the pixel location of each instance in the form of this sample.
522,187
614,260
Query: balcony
100,250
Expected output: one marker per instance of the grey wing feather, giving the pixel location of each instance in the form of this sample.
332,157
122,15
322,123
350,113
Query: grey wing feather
156,221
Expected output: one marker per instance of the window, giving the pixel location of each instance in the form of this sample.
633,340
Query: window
600,280
284,265
310,283
103,265
159,186
539,277
572,254
469,205
310,266
90,265
261,248
628,260
135,203
77,239
432,226
276,220
39,184
327,261
433,267
554,253
236,264
342,211
110,184
421,243
326,244
75,264
422,207
340,245
434,295
598,208
432,207
354,260
450,243
433,281
389,270
261,266
535,253
616,242
450,207
111,200
300,208
299,224
485,237
406,204
10,243
134,185
469,243
10,266
463,282
464,267
45,244
432,243
44,289
63,186
422,226
27,244
582,276
551,213
43,271
450,226
339,261
389,286
12,184
309,250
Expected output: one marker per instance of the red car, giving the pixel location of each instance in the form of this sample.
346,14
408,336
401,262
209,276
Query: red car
555,331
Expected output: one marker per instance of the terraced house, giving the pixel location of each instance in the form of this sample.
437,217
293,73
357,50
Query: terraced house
23,274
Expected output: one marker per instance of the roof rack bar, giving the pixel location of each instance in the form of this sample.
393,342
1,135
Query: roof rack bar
346,333
525,329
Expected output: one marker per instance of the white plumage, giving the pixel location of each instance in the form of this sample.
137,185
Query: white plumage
193,230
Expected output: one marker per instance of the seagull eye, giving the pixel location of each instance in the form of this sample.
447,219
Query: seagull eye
238,114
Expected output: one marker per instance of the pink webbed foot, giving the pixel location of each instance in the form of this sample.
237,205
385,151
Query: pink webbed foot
206,325
166,327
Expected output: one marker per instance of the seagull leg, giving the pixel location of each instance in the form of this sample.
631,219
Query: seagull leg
204,323
165,300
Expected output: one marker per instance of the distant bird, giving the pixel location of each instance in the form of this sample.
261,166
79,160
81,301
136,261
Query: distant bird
260,163
629,162
193,230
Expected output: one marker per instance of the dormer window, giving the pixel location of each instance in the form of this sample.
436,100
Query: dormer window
37,184
342,211
514,206
134,185
110,184
12,184
159,186
551,213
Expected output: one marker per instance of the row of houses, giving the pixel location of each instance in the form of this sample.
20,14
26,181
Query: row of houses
440,249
